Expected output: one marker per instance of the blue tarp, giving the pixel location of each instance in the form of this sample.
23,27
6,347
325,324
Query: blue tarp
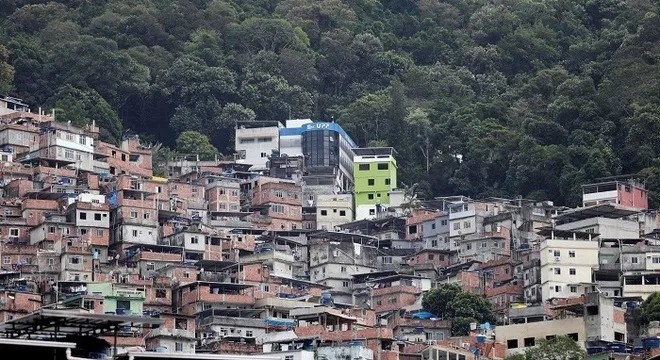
423,315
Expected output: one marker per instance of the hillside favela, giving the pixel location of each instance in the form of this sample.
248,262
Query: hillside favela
330,179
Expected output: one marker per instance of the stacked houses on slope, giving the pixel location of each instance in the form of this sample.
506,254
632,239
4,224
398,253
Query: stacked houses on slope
300,248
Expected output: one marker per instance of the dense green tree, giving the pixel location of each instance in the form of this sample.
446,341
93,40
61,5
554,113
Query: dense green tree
516,97
6,71
448,301
84,107
437,300
196,143
651,308
560,348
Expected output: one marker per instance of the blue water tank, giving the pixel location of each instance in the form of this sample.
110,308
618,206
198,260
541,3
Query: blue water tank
595,350
618,348
161,349
651,343
481,339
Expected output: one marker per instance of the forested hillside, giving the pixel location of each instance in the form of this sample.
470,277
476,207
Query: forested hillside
536,96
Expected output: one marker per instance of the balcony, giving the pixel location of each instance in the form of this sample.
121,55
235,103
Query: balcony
425,323
128,293
178,333
233,321
204,294
396,290
260,220
230,223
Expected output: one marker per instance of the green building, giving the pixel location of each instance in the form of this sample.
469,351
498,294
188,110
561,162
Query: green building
374,172
117,297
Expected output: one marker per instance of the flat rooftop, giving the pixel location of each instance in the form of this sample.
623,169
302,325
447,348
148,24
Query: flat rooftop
603,210
374,151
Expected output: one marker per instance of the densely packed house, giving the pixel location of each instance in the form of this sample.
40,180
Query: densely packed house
304,247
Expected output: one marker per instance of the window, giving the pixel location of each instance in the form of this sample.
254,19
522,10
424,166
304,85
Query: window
151,266
370,196
14,232
97,217
324,212
99,233
434,243
512,344
88,304
617,337
383,166
146,215
557,271
343,269
388,181
571,271
68,154
431,256
263,155
6,260
186,274
412,229
74,260
557,288
592,310
345,284
161,293
570,254
248,333
278,208
364,167
557,253
371,182
633,260
443,223
342,212
135,233
51,229
484,244
529,341
288,357
51,261
457,225
194,240
573,289
178,347
133,214
83,231
467,224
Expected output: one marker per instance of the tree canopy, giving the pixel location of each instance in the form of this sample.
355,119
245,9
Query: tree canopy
481,98
196,143
448,301
559,348
651,308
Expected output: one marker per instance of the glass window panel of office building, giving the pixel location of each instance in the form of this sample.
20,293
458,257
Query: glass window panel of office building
321,148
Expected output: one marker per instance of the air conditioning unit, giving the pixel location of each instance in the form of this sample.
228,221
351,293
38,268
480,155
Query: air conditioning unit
557,258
